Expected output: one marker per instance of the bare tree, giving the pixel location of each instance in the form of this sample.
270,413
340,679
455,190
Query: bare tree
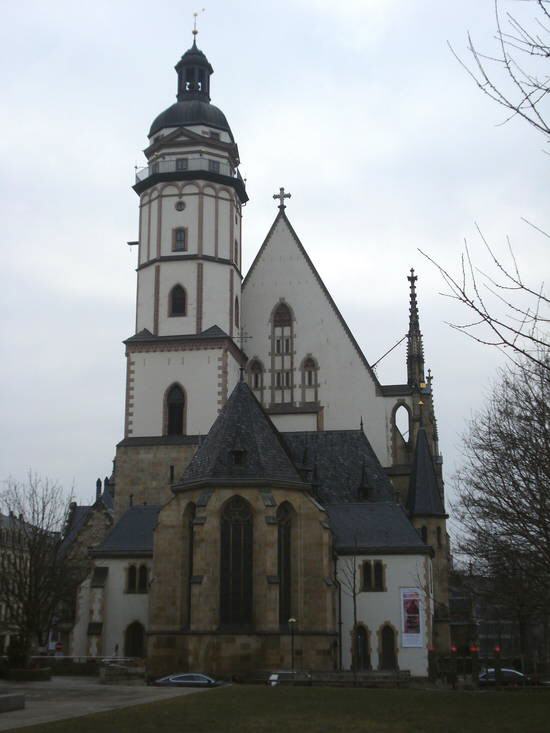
349,585
504,488
512,75
36,577
505,310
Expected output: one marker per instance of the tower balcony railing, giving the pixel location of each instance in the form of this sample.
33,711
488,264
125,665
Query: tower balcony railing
182,165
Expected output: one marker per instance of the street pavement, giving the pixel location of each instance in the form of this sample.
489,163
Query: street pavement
70,697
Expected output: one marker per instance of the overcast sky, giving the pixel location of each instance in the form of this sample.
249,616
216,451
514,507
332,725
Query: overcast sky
357,108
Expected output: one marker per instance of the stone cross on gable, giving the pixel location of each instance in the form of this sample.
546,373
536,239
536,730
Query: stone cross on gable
281,196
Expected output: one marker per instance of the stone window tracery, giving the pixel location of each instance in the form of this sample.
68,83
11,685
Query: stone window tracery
236,563
282,356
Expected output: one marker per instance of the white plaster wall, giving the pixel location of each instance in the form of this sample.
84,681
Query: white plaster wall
122,609
375,608
346,388
145,299
79,636
298,422
216,295
155,372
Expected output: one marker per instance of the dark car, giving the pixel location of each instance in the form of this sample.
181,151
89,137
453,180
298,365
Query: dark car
507,677
187,680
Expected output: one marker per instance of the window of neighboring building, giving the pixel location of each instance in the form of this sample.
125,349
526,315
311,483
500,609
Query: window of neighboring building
236,563
182,164
178,301
179,240
214,166
175,407
373,575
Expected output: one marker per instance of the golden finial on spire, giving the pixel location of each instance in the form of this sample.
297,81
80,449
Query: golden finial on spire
195,16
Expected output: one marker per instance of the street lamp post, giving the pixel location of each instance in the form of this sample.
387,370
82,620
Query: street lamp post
291,622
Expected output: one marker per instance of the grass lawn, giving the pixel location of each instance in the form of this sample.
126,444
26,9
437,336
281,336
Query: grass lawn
251,709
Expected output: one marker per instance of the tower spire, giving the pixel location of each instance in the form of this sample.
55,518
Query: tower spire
415,348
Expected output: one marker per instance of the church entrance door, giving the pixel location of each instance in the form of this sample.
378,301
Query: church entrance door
388,656
134,640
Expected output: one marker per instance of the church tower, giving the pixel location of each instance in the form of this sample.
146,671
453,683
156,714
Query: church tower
183,359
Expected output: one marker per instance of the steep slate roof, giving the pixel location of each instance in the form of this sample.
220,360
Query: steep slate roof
281,216
132,534
343,462
424,498
374,527
242,425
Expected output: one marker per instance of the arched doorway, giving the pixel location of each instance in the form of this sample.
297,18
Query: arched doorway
362,655
134,640
388,655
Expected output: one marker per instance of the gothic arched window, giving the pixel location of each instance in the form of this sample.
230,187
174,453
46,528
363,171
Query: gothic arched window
175,411
362,653
188,553
134,640
282,350
143,577
236,563
131,579
177,301
284,566
256,374
310,370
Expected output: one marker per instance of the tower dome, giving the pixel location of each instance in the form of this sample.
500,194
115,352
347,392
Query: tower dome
193,106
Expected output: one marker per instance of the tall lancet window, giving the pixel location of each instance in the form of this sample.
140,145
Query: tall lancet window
175,411
282,354
284,564
236,563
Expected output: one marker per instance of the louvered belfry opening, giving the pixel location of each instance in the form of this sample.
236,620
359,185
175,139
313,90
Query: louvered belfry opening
236,564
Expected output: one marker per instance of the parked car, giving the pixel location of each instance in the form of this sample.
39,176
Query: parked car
283,677
187,680
507,677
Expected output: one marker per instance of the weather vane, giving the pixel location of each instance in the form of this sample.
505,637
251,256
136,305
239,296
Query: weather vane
195,15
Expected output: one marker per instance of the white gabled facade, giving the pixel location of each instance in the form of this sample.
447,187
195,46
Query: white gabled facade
380,609
343,389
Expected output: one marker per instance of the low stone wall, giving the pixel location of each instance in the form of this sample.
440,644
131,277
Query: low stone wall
11,701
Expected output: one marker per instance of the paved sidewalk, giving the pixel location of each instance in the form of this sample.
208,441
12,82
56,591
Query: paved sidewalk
70,697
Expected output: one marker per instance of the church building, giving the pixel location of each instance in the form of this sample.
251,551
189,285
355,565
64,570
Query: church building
268,511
